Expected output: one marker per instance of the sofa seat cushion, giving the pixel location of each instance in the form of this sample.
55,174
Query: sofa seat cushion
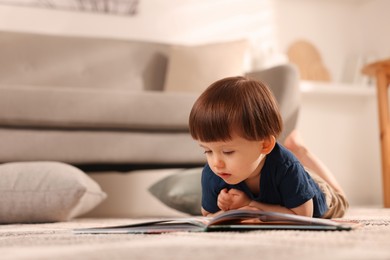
45,107
100,147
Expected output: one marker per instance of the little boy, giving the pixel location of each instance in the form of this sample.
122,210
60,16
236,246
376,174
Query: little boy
236,121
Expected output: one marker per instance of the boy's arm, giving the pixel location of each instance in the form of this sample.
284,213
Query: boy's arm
208,214
204,212
306,209
238,199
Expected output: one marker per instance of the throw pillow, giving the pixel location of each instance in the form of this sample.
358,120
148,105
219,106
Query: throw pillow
194,68
33,192
181,191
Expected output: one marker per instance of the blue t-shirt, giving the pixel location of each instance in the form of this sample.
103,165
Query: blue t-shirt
283,181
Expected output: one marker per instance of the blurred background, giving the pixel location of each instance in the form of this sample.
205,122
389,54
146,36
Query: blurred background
346,32
338,118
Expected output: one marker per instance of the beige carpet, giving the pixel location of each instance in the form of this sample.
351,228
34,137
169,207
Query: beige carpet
56,241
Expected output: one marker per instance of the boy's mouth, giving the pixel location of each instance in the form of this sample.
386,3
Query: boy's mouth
224,175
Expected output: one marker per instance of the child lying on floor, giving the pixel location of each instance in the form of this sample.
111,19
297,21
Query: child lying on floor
236,121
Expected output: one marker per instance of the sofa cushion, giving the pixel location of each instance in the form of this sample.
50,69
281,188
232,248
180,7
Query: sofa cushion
193,68
32,192
181,191
101,147
47,107
81,62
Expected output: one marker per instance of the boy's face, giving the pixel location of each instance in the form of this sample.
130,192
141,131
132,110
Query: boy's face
235,160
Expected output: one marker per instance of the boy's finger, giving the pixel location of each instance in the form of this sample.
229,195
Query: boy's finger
234,192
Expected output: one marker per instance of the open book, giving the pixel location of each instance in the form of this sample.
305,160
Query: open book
233,220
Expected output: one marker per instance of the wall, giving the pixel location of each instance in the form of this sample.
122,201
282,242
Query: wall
374,21
340,126
170,21
345,32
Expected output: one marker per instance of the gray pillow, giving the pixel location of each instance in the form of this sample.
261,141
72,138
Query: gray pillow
181,191
33,192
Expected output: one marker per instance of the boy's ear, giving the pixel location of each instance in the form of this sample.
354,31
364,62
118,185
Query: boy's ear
268,144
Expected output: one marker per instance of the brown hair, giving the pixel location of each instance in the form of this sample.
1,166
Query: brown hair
237,104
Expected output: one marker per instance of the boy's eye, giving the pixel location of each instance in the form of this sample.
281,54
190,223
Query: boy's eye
228,152
207,152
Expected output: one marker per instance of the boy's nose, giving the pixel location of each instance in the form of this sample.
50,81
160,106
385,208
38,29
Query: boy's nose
218,163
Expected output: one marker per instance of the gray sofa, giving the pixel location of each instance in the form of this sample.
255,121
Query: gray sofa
97,102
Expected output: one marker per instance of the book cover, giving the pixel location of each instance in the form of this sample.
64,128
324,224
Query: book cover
233,220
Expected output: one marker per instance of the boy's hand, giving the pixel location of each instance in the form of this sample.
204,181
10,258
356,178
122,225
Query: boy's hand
224,200
232,199
239,199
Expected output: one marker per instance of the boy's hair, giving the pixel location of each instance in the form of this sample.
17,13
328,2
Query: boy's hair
237,104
